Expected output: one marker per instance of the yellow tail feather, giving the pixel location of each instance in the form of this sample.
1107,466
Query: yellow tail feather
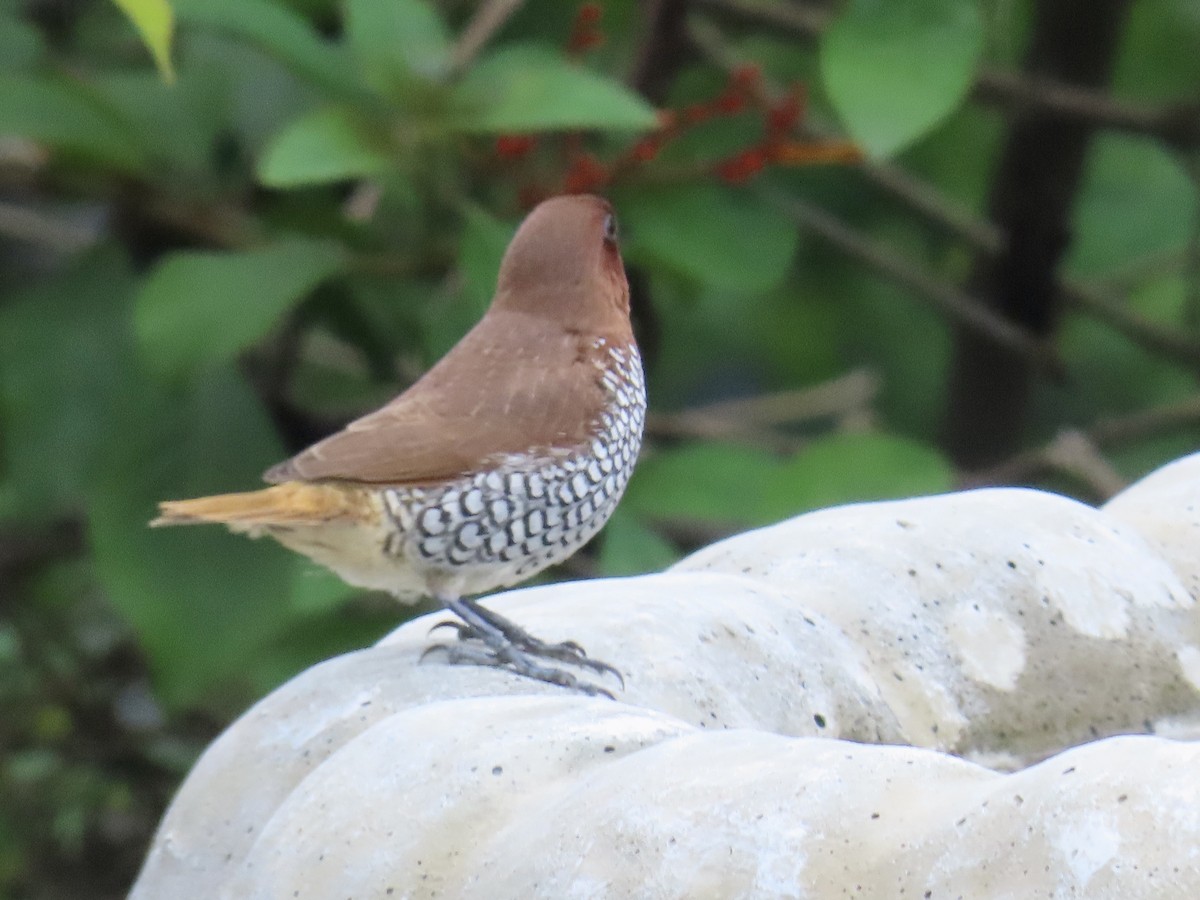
290,503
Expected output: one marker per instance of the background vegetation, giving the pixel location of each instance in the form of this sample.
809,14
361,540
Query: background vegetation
876,249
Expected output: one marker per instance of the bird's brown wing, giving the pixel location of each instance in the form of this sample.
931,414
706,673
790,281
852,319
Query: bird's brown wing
516,385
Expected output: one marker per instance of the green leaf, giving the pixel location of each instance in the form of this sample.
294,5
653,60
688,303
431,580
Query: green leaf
202,601
62,115
156,24
709,232
322,146
880,325
1136,201
1158,51
724,484
239,93
65,347
629,547
172,124
397,39
1110,374
728,486
484,241
851,468
453,312
319,637
276,30
893,70
316,590
199,308
20,45
529,88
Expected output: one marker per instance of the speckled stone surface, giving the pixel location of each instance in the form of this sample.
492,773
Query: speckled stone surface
989,637
1001,625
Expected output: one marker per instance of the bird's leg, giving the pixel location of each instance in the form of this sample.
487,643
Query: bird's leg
566,651
509,646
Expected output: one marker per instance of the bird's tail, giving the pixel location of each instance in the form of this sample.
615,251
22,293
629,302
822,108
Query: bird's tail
287,504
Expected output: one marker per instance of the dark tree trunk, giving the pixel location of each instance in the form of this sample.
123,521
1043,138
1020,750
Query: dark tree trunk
1034,186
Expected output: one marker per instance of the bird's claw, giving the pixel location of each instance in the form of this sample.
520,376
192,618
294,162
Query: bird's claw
465,631
568,652
486,638
516,660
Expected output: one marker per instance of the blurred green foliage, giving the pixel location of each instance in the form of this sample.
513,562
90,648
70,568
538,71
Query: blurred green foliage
224,246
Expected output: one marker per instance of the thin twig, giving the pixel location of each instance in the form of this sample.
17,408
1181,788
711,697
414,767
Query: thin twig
1076,454
934,206
41,229
217,224
1030,464
836,397
951,300
682,425
753,419
1159,339
1153,265
1146,422
488,19
985,237
800,21
1176,123
24,157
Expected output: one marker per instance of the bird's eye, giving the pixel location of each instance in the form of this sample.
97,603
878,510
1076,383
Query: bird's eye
610,228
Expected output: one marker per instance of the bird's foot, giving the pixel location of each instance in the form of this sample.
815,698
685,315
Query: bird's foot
470,653
564,651
507,645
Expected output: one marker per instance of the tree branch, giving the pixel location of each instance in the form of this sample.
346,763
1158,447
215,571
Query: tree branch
958,305
1064,453
1178,124
1158,339
488,19
848,399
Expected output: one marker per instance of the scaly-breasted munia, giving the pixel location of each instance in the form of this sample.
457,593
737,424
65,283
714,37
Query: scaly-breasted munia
504,458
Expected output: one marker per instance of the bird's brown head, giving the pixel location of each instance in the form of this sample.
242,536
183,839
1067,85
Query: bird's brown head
564,263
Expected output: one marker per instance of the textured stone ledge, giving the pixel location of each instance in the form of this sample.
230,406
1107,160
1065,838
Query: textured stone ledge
986,634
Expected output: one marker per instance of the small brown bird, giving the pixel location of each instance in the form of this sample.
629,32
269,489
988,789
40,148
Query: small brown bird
504,458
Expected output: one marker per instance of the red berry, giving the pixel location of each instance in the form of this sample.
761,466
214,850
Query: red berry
743,166
645,149
584,33
783,116
730,103
745,77
586,174
586,41
514,146
589,14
